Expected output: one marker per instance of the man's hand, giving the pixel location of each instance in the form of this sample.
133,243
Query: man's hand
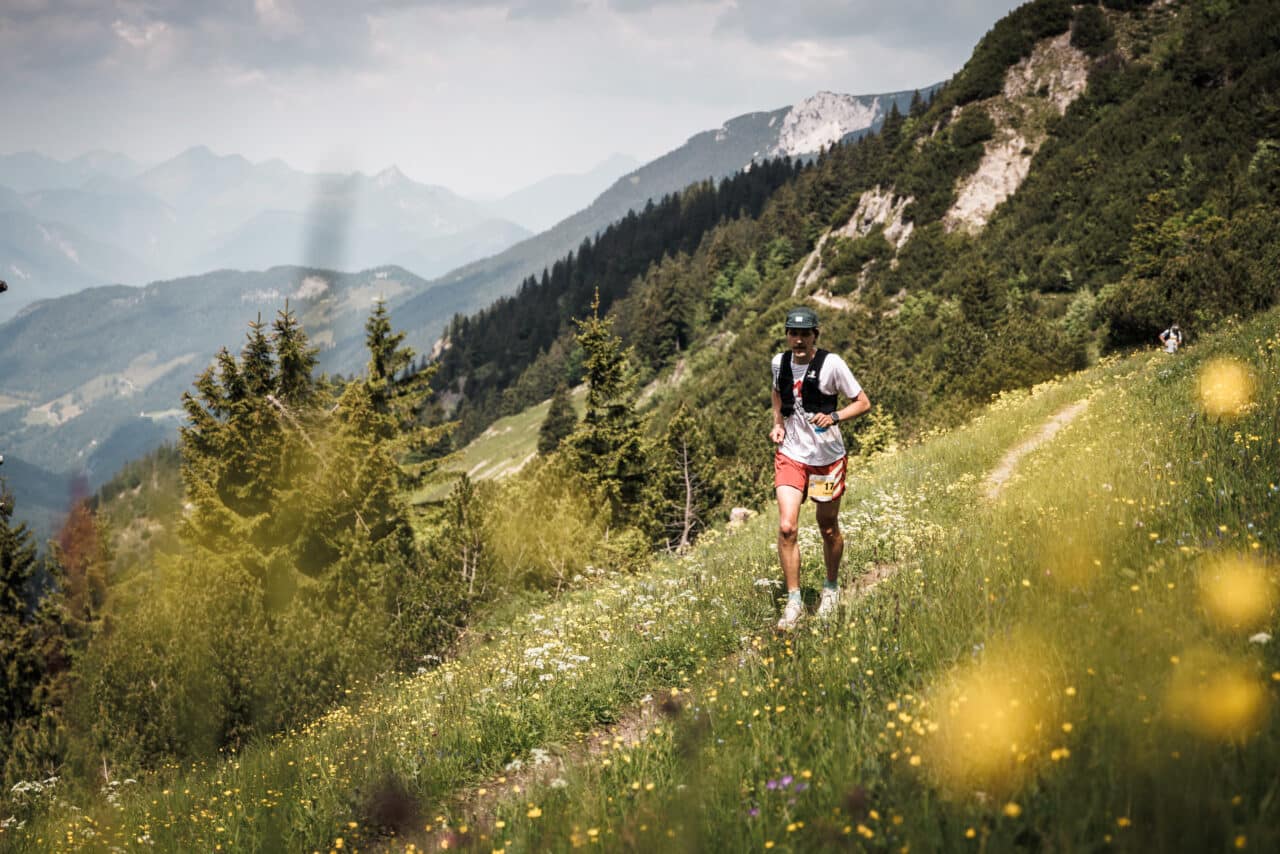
822,419
777,434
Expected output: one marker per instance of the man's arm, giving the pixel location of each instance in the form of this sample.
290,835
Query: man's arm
779,431
851,410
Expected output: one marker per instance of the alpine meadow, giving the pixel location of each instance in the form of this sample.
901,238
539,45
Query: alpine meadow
521,593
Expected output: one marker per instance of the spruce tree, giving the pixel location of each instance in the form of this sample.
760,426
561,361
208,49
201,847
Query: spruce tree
559,423
20,672
295,385
399,405
608,446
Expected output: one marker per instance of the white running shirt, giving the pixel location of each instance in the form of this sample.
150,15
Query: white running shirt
805,443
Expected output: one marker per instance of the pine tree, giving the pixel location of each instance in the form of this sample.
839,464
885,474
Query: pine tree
559,423
399,406
20,673
608,447
295,385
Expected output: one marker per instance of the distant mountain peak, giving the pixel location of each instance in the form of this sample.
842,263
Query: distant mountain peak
390,177
822,119
201,154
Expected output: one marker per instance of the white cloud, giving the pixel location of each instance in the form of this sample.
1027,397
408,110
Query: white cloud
278,17
140,36
479,95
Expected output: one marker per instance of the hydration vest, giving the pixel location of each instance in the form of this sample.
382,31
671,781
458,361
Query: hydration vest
813,399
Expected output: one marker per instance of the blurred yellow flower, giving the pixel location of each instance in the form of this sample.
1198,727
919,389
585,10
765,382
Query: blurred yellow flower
1216,697
1237,592
1225,388
991,717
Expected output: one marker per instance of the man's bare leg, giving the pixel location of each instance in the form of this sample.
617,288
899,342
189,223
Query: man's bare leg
832,540
789,499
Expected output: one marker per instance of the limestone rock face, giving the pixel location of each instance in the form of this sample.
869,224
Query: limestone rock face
1039,87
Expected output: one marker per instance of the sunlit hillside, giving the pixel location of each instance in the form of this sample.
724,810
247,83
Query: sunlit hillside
1077,657
502,449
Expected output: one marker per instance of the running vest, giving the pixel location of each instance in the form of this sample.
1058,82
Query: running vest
814,400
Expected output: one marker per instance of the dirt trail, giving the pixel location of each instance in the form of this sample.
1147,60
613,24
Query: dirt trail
999,476
480,803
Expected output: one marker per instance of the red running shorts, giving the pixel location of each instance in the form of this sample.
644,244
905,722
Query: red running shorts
820,483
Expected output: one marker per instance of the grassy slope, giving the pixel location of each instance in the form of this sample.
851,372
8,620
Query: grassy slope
500,450
1066,712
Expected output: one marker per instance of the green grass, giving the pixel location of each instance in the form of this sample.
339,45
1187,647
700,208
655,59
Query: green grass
500,450
1013,685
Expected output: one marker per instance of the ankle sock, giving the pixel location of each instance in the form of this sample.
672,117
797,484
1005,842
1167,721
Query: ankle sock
793,595
830,585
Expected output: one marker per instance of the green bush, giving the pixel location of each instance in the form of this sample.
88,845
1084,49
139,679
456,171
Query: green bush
973,127
1209,268
844,256
1091,32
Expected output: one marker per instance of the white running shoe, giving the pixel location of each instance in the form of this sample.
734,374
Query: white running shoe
830,601
791,615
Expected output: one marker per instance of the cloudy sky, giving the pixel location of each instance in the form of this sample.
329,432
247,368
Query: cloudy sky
482,96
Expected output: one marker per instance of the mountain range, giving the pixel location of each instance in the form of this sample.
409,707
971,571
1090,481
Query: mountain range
200,211
104,219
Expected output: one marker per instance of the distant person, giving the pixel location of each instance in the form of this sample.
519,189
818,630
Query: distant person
811,459
1171,338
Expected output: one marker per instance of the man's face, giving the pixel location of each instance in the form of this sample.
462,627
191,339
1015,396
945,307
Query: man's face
802,341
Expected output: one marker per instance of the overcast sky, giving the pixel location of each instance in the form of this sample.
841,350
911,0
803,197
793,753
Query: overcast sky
482,96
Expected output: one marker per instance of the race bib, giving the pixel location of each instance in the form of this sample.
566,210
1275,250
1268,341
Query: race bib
822,487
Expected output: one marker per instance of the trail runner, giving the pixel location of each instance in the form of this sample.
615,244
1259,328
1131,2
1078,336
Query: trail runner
1171,338
811,459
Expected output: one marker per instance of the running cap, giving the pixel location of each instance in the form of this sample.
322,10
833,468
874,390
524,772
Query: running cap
802,318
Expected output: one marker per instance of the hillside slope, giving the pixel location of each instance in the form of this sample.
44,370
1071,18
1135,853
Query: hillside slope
1072,190
1080,620
96,379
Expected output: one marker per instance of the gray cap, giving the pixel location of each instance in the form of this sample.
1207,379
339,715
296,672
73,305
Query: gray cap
802,318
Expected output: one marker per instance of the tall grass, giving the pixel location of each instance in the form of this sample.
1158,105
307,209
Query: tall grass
1056,668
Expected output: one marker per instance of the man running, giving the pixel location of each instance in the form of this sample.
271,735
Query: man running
811,458
1171,338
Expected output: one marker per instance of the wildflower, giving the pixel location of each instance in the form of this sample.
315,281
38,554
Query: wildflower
1237,591
1216,697
1225,388
1012,809
991,718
